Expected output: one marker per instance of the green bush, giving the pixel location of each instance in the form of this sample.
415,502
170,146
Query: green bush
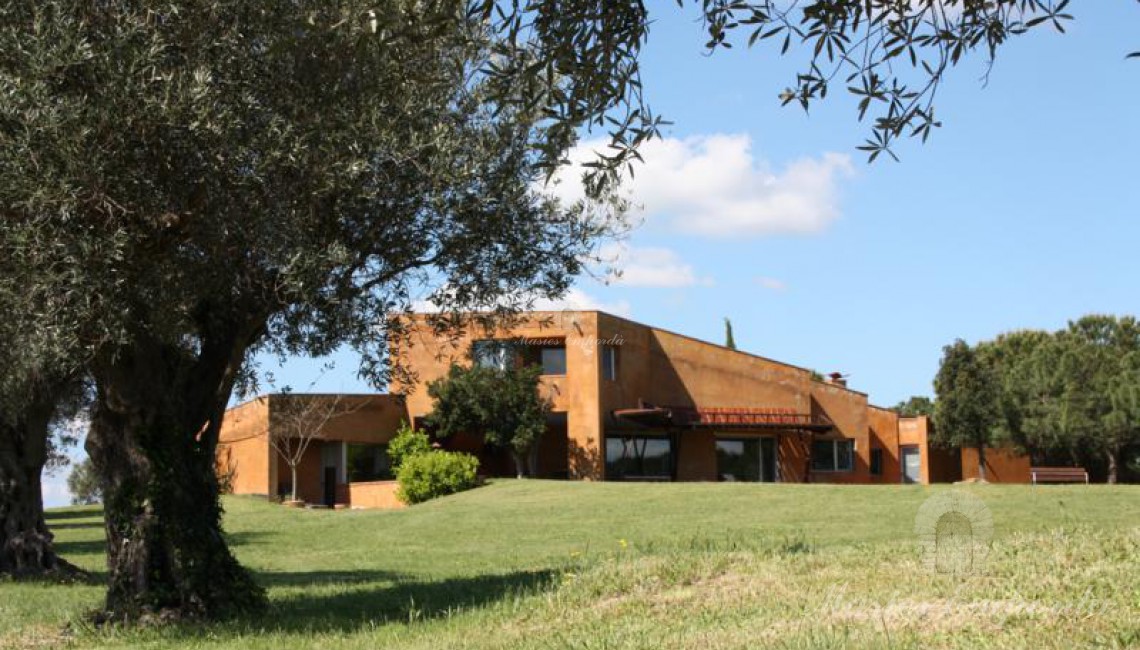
407,443
434,474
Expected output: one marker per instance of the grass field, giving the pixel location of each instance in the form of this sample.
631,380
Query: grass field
537,564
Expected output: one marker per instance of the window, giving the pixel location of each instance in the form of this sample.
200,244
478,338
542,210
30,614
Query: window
833,455
552,358
609,362
368,463
553,361
639,459
876,462
493,354
746,459
503,355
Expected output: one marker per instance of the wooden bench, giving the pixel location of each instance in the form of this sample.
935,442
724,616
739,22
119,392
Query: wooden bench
1059,475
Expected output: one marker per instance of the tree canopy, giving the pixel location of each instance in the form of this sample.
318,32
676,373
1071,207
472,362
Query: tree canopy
503,405
1069,394
206,181
914,406
966,406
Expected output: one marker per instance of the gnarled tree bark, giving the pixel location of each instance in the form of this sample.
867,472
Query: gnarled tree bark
26,548
153,441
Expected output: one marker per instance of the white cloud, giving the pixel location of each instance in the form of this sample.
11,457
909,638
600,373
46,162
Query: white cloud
771,283
649,267
580,300
714,185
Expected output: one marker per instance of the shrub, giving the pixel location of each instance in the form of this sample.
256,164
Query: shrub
434,474
407,443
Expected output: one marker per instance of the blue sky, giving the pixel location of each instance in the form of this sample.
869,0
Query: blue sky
1020,212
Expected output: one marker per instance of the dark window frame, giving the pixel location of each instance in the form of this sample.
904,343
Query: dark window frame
503,354
381,473
834,455
609,362
671,459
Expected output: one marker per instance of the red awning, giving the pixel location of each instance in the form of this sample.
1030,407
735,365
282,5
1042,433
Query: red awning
724,418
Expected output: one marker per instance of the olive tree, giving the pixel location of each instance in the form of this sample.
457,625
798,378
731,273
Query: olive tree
278,179
42,387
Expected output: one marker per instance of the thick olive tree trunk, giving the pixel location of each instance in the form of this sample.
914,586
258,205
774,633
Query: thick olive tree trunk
153,440
25,543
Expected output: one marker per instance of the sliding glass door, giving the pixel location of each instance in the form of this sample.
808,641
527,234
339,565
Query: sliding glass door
746,459
639,458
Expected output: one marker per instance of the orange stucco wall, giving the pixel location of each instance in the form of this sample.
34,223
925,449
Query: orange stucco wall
429,357
243,448
374,494
884,436
938,465
1003,465
654,366
245,453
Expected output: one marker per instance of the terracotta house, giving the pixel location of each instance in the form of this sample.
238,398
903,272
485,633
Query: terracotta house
636,403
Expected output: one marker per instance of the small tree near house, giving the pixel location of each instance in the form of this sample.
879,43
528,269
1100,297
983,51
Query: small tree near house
504,405
296,421
966,408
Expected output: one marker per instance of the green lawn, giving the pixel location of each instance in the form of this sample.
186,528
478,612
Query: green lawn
537,564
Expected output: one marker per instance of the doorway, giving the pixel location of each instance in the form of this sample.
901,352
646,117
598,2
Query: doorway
911,464
330,486
750,460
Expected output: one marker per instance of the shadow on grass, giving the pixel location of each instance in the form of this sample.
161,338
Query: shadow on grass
85,547
319,578
346,601
52,516
55,525
64,548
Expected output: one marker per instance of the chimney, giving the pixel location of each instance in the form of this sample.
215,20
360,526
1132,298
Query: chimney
837,378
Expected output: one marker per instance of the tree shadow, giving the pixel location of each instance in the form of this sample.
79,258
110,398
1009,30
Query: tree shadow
317,578
68,526
81,547
360,603
245,538
57,515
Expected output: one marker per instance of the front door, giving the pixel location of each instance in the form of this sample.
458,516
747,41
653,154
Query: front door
746,459
911,465
330,486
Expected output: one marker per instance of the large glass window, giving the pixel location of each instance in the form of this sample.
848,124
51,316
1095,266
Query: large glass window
368,463
738,460
493,354
833,455
639,458
502,355
746,459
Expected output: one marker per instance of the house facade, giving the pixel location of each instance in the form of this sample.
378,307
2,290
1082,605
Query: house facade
345,462
638,403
